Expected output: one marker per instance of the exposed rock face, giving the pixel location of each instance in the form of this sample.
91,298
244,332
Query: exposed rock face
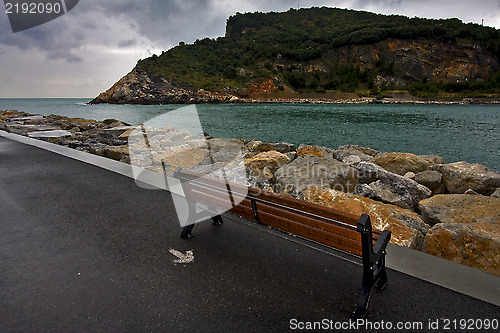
460,208
423,59
476,245
460,176
319,171
401,163
139,87
407,227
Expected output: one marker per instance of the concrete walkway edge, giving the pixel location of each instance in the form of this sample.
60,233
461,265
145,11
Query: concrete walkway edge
445,273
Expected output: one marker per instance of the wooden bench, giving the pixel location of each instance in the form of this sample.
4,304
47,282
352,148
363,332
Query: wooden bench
340,230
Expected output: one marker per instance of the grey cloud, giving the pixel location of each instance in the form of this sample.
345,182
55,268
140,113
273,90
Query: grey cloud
163,22
127,43
66,56
382,3
167,22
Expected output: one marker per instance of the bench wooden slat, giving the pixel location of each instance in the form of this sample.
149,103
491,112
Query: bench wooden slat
308,207
325,232
219,199
273,197
308,220
331,239
218,188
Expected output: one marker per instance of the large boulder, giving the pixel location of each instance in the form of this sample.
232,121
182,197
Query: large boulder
401,163
10,114
407,228
460,176
460,208
466,229
430,179
313,170
365,150
390,187
256,146
79,124
391,192
306,150
234,172
183,158
476,244
433,159
350,155
118,153
266,163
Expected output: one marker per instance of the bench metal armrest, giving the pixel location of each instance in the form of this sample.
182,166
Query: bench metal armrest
381,244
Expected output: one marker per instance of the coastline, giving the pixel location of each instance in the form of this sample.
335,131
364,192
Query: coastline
373,100
215,98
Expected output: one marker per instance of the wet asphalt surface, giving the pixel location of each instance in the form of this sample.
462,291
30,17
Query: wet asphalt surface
84,249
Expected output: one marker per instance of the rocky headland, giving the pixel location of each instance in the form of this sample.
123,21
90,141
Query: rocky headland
322,55
450,210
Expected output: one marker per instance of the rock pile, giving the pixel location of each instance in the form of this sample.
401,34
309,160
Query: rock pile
448,210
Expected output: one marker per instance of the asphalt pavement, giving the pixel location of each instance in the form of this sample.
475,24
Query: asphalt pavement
85,249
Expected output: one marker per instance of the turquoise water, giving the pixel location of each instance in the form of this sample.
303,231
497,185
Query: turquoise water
456,132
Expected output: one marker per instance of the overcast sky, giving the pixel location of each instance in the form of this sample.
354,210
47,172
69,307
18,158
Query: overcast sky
85,51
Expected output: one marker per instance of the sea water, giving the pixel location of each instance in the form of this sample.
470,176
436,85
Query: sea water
456,132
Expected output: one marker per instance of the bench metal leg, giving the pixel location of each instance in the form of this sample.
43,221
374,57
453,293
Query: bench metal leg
187,231
374,272
363,300
382,279
217,220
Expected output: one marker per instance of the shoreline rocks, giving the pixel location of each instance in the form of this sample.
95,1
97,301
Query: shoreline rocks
419,198
460,176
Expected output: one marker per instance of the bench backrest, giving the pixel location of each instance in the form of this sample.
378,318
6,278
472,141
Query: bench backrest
318,223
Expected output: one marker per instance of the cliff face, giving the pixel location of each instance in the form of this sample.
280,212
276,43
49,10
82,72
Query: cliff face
401,62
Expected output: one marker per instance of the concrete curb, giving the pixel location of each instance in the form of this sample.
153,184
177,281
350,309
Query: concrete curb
459,278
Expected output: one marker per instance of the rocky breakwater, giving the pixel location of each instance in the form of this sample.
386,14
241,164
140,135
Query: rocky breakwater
105,138
448,210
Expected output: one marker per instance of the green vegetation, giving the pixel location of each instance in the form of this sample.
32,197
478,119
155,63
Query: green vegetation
483,88
284,46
